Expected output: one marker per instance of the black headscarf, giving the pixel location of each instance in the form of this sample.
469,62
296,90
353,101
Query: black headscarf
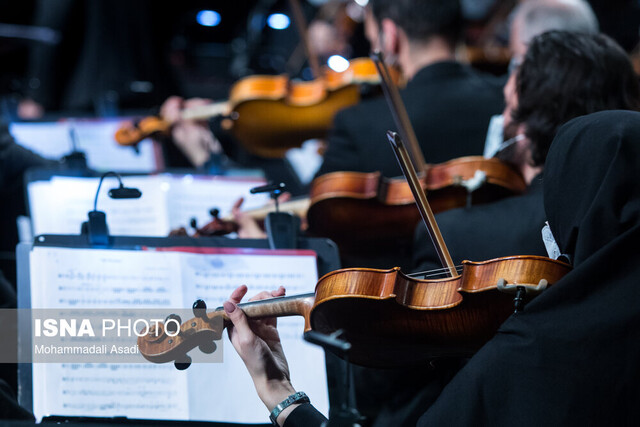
573,356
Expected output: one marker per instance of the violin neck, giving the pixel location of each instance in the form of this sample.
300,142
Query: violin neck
203,112
297,206
295,305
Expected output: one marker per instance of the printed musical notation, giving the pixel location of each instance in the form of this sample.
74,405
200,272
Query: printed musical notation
63,278
60,205
94,390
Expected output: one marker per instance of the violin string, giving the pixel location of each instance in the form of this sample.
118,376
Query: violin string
437,275
436,272
458,267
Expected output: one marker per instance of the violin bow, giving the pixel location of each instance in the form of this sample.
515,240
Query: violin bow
400,116
421,201
301,24
399,112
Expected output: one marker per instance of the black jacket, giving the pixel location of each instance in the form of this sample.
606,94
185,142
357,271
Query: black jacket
571,357
449,106
510,226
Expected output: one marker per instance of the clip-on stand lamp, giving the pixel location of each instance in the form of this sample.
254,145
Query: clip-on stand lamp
96,228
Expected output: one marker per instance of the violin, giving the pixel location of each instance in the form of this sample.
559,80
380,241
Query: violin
270,114
355,209
389,318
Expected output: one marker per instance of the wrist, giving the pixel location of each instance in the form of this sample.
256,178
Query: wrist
274,392
279,414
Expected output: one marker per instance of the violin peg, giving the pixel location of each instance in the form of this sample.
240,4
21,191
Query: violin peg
208,348
183,364
172,327
193,223
199,308
214,212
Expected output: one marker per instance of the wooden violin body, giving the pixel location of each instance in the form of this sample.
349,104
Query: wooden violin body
393,320
273,114
356,209
389,318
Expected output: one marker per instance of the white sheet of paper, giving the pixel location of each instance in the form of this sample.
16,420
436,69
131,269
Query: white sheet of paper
94,278
68,200
94,137
192,196
73,278
60,205
228,385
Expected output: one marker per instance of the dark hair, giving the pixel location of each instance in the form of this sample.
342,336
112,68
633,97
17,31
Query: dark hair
566,75
421,19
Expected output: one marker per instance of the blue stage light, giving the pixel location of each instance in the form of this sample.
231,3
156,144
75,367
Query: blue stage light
278,21
208,18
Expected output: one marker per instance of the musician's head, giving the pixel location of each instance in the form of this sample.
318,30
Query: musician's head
392,24
564,75
532,18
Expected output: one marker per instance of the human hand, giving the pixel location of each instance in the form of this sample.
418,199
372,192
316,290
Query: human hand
192,137
258,344
248,227
28,109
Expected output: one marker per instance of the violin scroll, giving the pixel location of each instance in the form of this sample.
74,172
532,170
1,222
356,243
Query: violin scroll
216,227
171,340
131,134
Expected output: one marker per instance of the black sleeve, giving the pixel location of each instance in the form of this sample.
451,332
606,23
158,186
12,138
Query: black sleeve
425,257
14,159
342,151
9,407
305,415
7,293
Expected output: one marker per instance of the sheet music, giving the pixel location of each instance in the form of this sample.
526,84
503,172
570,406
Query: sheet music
192,196
60,205
94,137
95,278
72,278
212,278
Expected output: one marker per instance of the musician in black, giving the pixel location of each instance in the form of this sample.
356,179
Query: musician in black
259,346
563,76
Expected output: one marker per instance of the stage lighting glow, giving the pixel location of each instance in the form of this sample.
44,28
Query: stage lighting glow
208,18
338,63
278,21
